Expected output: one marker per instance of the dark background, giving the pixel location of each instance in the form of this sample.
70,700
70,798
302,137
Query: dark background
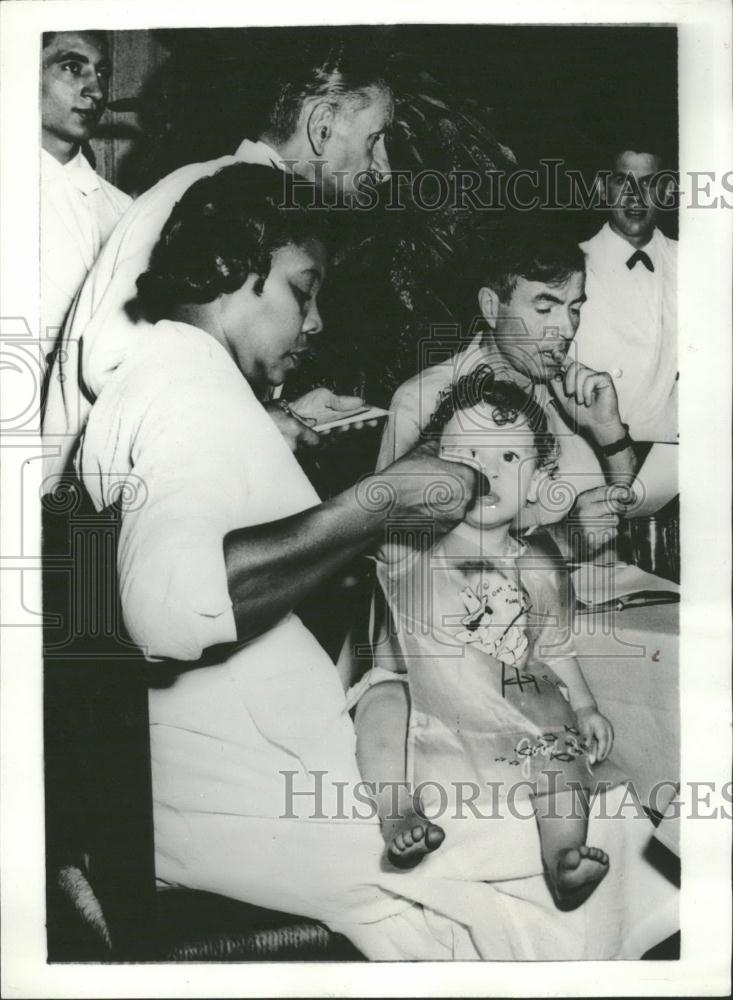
543,92
555,92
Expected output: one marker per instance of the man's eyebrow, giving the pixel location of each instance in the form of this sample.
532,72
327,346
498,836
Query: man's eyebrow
311,272
627,175
549,297
69,54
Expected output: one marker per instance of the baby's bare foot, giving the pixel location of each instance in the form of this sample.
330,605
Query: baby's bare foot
578,873
410,838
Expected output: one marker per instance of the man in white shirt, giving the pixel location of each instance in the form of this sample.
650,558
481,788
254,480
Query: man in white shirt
329,128
79,209
629,323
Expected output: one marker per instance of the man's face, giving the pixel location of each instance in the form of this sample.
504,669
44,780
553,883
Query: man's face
631,196
74,82
357,142
535,328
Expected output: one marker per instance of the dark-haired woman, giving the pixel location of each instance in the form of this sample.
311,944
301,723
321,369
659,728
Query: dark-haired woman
253,751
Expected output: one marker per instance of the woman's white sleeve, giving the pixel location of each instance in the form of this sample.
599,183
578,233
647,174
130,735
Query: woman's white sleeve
191,466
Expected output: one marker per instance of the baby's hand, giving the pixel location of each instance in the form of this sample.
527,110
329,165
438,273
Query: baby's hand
597,733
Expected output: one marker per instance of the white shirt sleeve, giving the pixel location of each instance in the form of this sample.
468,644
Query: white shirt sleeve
187,453
177,437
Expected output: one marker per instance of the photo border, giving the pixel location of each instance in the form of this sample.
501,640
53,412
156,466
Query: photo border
705,262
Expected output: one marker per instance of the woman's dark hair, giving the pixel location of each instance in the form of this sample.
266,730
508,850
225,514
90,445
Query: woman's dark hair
508,401
224,228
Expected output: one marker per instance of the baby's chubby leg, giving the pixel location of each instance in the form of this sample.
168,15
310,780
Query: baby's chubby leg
573,869
381,730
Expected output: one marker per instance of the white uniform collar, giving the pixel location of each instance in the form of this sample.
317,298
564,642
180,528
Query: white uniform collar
618,247
78,171
260,152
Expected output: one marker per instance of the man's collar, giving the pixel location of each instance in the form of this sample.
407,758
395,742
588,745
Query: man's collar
78,171
621,249
260,152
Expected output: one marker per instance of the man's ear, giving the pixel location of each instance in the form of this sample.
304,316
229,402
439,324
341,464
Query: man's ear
600,190
668,192
320,126
488,303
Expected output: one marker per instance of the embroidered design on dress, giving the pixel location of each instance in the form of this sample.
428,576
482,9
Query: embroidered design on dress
496,617
565,747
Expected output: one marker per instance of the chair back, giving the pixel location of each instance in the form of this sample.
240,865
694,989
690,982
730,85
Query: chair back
96,738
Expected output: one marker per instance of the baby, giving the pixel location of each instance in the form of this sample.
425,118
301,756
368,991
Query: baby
480,625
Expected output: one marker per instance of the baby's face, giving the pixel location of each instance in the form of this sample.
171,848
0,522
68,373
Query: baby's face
506,457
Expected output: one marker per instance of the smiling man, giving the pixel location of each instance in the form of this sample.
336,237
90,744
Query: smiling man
79,209
629,324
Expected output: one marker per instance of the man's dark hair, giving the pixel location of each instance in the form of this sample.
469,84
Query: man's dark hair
100,36
224,228
653,139
508,401
346,74
534,248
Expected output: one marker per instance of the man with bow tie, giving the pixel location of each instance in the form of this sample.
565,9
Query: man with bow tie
628,325
79,209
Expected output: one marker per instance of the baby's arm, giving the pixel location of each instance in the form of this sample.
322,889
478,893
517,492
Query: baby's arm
595,729
555,647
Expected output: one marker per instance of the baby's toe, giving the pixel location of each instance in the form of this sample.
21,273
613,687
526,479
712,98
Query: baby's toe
571,858
434,838
417,834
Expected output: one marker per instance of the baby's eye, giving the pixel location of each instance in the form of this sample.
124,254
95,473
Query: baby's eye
510,457
543,311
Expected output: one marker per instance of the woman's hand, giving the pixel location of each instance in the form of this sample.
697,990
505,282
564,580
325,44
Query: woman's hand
423,484
272,568
296,430
321,405
597,733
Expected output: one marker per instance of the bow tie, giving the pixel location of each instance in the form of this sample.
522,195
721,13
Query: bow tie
640,256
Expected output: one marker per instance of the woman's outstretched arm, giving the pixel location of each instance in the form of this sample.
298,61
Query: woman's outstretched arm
272,567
